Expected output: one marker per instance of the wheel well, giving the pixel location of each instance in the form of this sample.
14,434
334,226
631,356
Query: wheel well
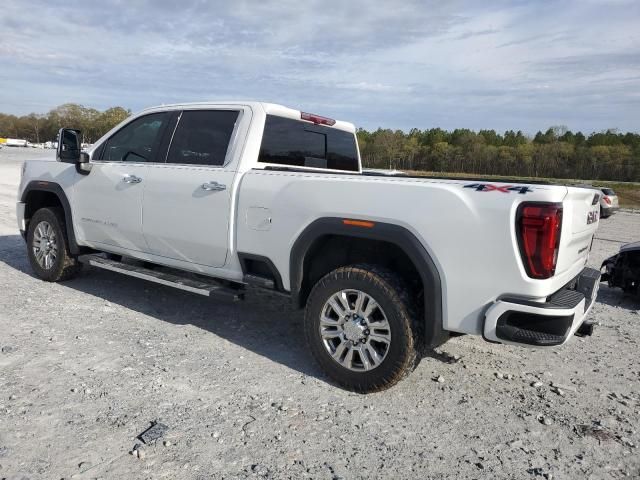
37,199
329,252
51,195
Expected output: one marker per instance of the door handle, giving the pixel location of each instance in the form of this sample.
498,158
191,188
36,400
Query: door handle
131,179
213,187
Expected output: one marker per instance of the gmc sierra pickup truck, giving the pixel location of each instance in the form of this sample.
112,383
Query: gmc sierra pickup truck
215,197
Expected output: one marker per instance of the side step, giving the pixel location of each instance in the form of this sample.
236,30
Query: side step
263,283
259,281
193,285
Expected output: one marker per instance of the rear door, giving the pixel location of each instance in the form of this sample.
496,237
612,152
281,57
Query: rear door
107,208
187,201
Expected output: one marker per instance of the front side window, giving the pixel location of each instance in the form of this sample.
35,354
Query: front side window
202,137
296,143
137,141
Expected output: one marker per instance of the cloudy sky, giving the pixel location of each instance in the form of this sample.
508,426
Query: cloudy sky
395,64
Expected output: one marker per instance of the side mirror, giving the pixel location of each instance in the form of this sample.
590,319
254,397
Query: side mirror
69,145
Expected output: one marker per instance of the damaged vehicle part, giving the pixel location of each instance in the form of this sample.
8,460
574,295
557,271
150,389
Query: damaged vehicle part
623,270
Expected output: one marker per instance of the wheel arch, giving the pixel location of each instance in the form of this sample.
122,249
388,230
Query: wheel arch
40,194
400,238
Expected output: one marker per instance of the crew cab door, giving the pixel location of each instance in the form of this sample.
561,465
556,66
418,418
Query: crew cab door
107,207
187,201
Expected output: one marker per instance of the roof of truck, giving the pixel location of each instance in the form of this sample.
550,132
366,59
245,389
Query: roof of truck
268,108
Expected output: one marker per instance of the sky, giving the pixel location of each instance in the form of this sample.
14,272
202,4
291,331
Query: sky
522,65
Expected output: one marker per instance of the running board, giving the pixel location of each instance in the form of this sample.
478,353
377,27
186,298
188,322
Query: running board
259,281
264,284
207,289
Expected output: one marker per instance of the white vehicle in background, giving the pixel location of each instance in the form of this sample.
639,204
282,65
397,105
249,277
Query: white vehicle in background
214,197
608,202
16,142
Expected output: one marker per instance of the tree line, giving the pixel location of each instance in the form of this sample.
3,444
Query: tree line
40,128
556,153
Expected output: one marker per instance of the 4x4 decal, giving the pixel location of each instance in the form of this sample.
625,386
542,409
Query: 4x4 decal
487,187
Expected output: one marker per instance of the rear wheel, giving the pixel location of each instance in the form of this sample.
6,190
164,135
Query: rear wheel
48,246
359,327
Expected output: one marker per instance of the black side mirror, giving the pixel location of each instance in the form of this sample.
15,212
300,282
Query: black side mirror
69,145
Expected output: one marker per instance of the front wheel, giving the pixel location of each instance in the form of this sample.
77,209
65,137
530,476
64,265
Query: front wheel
359,325
48,247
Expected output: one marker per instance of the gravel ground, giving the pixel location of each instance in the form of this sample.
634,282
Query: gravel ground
85,366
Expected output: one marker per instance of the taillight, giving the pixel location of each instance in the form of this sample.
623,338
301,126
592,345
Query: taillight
317,119
538,226
607,200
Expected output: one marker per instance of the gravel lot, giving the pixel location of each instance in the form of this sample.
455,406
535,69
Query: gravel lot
86,366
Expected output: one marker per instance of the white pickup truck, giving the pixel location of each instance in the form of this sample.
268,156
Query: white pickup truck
213,197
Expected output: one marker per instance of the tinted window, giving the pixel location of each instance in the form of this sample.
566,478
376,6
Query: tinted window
608,191
302,144
202,137
137,141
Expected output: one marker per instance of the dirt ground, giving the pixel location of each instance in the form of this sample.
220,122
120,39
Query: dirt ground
86,365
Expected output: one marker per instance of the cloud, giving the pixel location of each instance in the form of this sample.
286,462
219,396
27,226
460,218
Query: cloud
522,65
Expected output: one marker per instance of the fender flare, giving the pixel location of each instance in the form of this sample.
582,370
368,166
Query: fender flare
401,237
56,189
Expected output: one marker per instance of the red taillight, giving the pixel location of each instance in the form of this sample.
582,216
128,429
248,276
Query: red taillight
607,200
317,119
538,227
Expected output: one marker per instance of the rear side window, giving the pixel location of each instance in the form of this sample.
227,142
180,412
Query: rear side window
608,191
202,137
137,141
296,143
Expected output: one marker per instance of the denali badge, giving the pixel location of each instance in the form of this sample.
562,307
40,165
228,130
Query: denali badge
592,217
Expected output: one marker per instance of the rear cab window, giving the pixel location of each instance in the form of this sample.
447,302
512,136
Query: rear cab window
298,143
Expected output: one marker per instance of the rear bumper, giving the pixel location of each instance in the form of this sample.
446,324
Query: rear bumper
609,210
520,321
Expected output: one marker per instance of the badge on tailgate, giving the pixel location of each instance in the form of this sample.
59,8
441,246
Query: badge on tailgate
592,217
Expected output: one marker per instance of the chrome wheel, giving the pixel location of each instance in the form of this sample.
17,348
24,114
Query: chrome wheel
45,245
355,330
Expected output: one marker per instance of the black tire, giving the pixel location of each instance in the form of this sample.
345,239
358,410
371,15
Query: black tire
65,265
391,293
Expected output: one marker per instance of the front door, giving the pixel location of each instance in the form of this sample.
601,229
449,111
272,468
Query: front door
187,201
108,201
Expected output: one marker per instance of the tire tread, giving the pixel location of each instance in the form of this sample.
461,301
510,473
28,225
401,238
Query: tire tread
397,292
70,266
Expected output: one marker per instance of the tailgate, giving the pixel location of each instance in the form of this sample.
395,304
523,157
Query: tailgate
581,211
